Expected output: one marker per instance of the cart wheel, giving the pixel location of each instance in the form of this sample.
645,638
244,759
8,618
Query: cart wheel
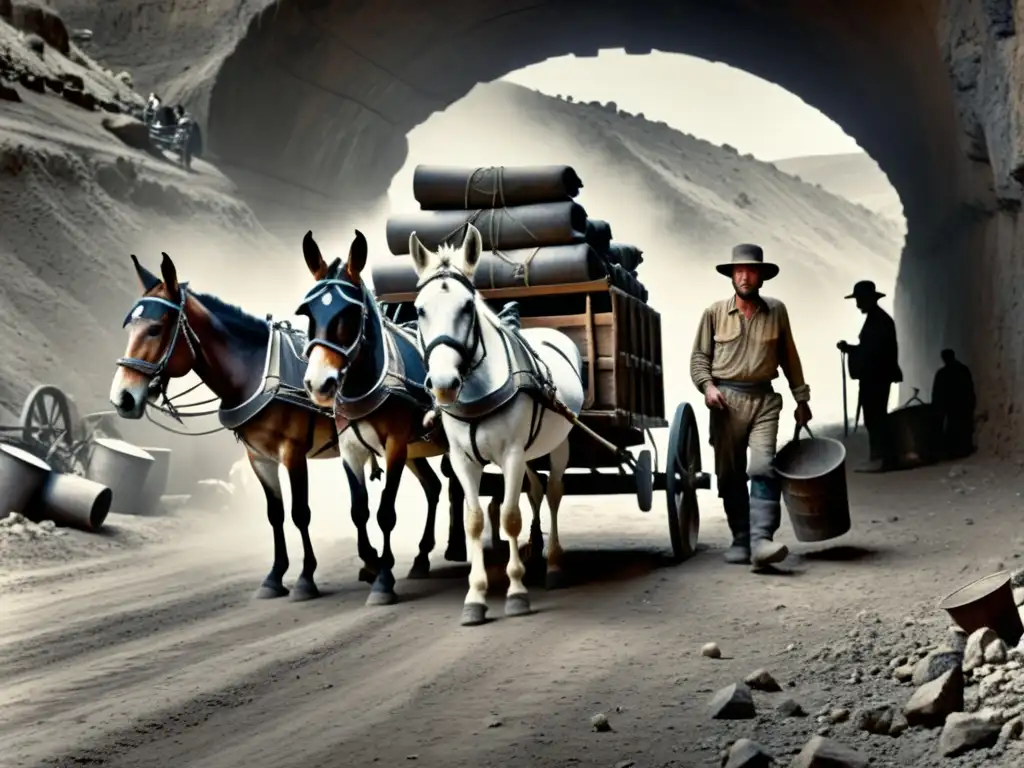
644,474
46,419
682,466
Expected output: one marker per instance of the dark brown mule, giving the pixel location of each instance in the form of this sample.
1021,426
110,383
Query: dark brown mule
372,372
255,368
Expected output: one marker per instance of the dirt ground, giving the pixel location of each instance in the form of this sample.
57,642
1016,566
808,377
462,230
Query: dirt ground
158,655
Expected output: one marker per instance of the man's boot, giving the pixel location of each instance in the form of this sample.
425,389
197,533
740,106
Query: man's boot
737,511
765,517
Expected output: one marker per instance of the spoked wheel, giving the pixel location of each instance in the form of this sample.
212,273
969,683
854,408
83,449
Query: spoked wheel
683,477
46,420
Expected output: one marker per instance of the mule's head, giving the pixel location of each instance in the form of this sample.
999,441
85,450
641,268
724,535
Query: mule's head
157,349
336,308
446,311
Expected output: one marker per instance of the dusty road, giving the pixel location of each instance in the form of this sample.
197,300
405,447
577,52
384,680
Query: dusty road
160,657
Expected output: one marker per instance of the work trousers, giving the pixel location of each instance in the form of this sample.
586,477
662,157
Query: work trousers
750,421
874,404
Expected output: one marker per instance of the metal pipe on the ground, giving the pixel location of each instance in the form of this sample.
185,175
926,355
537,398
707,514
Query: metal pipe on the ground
74,502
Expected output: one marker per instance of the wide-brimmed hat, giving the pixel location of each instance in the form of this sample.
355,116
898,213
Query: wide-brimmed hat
865,289
748,254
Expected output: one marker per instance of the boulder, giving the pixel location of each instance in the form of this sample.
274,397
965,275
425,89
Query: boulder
7,93
935,664
964,732
977,642
934,701
745,753
821,752
790,708
734,702
32,82
130,131
762,680
79,98
37,20
879,719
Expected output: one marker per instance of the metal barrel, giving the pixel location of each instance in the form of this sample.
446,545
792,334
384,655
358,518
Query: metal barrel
156,481
813,477
123,468
75,502
22,476
912,435
987,602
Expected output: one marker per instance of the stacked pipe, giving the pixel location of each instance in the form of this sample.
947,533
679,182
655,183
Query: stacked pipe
534,233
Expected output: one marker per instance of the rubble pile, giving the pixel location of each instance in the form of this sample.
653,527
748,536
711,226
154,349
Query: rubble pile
16,526
959,698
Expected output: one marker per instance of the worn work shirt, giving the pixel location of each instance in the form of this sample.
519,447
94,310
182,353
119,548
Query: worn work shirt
731,347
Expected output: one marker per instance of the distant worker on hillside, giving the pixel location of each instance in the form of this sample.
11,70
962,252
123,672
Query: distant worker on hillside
875,364
954,401
741,343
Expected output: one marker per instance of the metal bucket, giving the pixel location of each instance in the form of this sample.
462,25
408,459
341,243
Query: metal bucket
156,481
123,468
914,435
813,475
74,502
987,602
22,476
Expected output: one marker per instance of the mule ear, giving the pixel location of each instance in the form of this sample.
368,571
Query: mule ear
147,279
314,259
357,253
170,274
472,248
420,254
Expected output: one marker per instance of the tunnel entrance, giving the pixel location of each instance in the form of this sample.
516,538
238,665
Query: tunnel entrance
319,98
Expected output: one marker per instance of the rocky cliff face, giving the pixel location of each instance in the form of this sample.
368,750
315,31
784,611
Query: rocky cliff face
307,104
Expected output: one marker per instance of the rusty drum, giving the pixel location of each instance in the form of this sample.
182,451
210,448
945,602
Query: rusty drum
914,435
123,468
813,475
22,476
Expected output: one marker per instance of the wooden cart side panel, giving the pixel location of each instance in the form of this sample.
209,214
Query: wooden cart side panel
638,359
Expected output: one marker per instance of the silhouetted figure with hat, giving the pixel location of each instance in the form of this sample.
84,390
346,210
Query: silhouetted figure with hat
954,402
741,343
874,362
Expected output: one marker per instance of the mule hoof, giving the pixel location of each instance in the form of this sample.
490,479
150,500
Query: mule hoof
456,554
518,605
381,598
303,590
474,614
367,576
270,591
420,568
555,580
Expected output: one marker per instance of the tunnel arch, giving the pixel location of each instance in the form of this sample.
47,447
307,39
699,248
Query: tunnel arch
319,97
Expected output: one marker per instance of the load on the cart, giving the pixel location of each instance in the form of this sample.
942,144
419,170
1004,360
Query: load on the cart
565,272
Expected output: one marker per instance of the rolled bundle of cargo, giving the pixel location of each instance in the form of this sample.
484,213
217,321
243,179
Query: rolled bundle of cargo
503,229
599,234
552,265
445,188
629,257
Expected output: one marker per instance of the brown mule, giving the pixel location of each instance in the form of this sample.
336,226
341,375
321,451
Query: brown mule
174,331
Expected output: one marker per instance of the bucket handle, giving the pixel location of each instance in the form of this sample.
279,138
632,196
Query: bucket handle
796,432
914,397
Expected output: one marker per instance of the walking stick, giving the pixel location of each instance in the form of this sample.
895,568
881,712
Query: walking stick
846,411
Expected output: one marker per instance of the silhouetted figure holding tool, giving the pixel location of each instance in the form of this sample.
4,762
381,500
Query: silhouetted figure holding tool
741,343
954,402
874,362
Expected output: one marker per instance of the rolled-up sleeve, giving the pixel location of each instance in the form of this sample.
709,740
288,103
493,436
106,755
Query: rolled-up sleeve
789,360
700,357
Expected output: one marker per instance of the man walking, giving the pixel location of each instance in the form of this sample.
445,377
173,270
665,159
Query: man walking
741,343
875,364
954,401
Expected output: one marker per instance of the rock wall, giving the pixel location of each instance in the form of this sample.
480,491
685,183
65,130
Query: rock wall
308,104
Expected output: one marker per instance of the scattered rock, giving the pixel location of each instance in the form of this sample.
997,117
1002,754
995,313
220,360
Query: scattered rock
36,44
838,715
935,664
974,652
790,708
877,719
125,78
130,131
964,732
7,93
762,680
996,652
79,98
904,674
73,81
745,753
1012,730
711,650
1018,596
956,639
37,20
734,702
820,752
935,700
599,723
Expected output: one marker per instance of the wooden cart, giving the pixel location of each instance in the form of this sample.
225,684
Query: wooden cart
619,338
